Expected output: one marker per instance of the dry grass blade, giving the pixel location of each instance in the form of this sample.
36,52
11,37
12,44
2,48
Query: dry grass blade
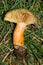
6,56
5,37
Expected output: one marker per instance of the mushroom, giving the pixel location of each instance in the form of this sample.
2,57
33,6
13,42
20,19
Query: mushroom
22,18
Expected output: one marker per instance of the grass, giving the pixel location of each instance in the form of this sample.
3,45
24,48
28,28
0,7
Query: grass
33,36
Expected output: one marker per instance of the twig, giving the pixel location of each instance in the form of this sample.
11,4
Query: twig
6,56
8,48
5,37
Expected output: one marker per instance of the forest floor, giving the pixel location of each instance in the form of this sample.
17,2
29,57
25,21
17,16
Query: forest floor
33,36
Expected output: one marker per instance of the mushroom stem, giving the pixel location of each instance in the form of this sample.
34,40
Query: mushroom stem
18,36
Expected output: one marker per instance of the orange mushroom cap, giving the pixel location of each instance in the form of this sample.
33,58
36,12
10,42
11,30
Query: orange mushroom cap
20,15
